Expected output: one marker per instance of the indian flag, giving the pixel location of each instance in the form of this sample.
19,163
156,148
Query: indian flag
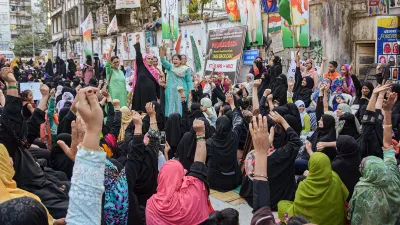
274,23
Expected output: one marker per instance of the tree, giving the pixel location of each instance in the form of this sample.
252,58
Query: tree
23,45
204,2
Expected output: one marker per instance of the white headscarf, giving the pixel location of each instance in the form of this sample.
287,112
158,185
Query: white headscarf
206,102
66,97
249,85
59,90
298,103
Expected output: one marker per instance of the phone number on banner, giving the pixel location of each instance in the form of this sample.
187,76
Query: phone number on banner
222,66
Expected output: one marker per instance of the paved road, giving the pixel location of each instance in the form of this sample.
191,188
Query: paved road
243,209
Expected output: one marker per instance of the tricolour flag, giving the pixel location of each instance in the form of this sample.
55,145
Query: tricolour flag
274,23
113,27
88,23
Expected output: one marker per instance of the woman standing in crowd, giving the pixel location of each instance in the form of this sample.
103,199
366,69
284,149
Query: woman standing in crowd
115,78
89,69
258,68
145,85
309,71
178,77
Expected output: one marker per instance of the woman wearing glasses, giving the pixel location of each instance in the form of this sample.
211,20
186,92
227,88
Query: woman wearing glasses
116,85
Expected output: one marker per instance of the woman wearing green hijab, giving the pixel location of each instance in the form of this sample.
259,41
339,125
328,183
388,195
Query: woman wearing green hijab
377,192
320,197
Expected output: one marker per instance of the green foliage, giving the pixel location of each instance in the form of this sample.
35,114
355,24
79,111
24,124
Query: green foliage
204,2
23,45
193,10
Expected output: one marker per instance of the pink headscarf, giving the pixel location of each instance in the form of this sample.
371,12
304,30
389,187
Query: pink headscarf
152,69
180,199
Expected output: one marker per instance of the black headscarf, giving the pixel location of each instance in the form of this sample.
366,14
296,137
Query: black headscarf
23,210
362,101
222,140
279,89
187,146
325,134
346,164
173,132
304,93
276,69
265,83
195,112
59,160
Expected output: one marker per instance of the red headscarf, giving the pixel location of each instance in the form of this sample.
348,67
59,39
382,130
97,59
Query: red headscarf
180,199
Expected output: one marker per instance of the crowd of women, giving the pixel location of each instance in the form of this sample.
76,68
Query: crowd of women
147,146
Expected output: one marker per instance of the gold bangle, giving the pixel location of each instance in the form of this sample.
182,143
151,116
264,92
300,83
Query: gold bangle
387,125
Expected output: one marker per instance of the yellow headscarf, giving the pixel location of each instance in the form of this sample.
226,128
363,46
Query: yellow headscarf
125,120
8,187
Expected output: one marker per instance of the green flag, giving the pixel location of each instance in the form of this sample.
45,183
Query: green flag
284,10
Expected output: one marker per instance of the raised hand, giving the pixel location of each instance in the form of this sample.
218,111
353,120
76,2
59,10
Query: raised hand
44,90
383,88
270,97
136,118
52,92
276,117
116,104
259,132
137,38
324,59
150,109
90,110
321,146
267,92
291,82
198,127
388,103
257,83
77,134
229,99
7,75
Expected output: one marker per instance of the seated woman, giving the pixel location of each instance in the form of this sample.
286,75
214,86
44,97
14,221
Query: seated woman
305,118
300,88
320,197
181,199
9,191
223,169
347,123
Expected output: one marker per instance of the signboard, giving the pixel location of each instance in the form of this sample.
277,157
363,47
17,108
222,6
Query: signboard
224,49
378,7
250,16
102,20
169,13
297,34
34,87
394,7
127,4
249,56
132,42
387,43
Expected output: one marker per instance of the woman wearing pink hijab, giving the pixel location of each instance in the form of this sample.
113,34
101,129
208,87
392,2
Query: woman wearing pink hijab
181,199
145,85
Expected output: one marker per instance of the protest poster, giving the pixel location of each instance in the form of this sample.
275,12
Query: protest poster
270,6
250,16
34,87
378,7
87,42
295,23
132,41
149,38
387,48
102,21
231,8
394,7
249,56
127,4
224,49
106,47
170,17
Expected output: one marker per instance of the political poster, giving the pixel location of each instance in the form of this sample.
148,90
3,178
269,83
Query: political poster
132,42
270,6
387,46
127,4
113,27
102,20
170,17
224,49
378,7
250,16
34,87
87,42
295,23
249,56
231,8
88,23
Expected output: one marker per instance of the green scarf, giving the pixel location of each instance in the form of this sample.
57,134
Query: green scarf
320,197
377,192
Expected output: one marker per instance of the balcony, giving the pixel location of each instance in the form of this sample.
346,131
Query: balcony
56,11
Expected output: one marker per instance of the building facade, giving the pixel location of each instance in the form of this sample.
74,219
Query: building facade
5,29
20,17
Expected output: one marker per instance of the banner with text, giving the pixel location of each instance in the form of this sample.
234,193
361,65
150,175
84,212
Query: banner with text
387,46
224,49
127,4
249,56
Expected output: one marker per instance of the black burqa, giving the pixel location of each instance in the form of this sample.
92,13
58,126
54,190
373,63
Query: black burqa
195,113
173,133
49,68
58,159
279,89
187,146
147,88
325,134
347,162
223,169
265,83
275,70
159,116
301,92
15,131
23,210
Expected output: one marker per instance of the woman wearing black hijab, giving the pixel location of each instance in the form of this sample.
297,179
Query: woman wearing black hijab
279,89
276,69
159,115
173,132
49,68
325,132
265,83
195,113
347,162
58,159
23,210
223,169
303,88
187,146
